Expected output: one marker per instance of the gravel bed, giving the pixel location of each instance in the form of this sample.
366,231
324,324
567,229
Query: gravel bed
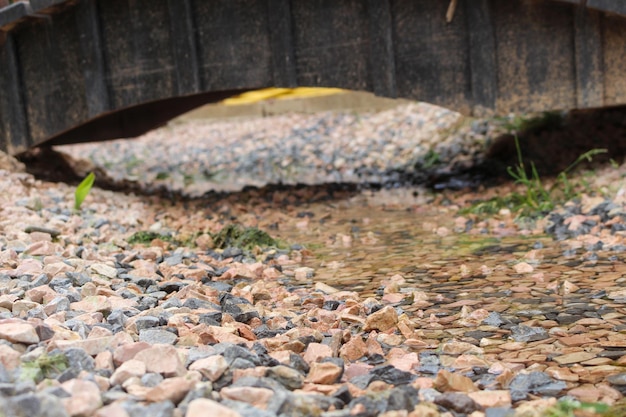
93,324
402,145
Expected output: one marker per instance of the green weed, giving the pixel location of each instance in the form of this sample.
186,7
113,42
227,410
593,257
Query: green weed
568,408
83,189
546,121
536,199
431,159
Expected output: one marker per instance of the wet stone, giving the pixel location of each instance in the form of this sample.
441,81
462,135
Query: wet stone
536,383
391,375
494,319
617,379
288,377
457,402
528,334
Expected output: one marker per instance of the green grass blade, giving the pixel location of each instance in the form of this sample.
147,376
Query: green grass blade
83,189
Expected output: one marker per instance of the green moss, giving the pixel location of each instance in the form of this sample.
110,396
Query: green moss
245,238
145,238
43,367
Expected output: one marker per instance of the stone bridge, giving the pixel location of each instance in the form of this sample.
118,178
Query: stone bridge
87,70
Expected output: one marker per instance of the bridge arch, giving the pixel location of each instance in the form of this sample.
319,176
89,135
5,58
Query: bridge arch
83,70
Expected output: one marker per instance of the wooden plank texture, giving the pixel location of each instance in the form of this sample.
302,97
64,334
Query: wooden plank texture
535,48
332,43
233,44
432,58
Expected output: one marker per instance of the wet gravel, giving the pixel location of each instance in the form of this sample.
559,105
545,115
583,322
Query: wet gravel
92,324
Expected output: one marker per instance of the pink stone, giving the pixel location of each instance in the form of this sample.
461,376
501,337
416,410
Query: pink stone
163,359
258,397
405,362
203,407
41,294
42,248
112,410
9,357
355,369
85,397
18,332
495,398
316,351
324,373
128,351
211,367
354,349
172,389
92,304
126,370
384,319
91,346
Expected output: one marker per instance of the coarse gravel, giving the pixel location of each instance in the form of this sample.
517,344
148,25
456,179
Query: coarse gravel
95,324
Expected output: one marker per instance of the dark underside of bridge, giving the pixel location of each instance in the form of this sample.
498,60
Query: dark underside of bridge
86,70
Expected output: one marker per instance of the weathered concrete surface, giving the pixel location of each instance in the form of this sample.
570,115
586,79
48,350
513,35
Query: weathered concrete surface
85,70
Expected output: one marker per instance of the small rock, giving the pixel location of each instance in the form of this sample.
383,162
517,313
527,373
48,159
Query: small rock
523,333
203,407
324,373
212,367
104,270
458,402
9,357
382,320
574,357
354,349
157,336
162,359
130,368
171,389
447,381
488,399
85,397
18,332
523,268
256,396
316,351
289,377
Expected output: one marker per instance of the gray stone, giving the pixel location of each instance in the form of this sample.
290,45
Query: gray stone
157,336
494,319
536,383
230,351
290,378
151,379
146,322
34,405
172,303
58,303
117,318
162,409
499,412
240,363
